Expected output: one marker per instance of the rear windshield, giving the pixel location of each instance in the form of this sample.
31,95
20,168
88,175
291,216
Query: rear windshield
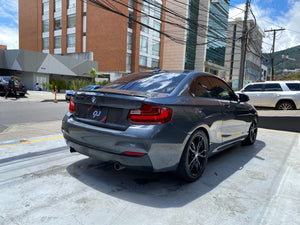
147,82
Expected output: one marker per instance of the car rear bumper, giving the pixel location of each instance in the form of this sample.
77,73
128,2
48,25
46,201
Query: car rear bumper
162,147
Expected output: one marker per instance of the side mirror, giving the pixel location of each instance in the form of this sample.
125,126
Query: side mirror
243,97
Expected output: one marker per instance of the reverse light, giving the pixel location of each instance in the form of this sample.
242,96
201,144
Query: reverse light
71,106
150,115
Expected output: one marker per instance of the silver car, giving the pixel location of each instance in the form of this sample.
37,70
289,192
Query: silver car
159,122
282,95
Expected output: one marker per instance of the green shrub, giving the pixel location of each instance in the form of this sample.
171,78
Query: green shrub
103,83
60,84
78,83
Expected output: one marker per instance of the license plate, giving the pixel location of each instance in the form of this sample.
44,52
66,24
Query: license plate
17,86
68,97
97,113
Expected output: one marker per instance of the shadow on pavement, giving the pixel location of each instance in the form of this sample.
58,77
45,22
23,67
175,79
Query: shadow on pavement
162,190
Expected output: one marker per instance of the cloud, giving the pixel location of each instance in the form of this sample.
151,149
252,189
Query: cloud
9,10
268,19
10,37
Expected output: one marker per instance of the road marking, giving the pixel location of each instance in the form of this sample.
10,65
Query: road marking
28,142
279,131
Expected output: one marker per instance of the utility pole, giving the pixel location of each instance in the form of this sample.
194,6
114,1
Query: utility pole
244,47
273,49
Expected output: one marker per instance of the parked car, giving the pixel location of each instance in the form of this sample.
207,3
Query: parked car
282,95
20,87
86,88
159,122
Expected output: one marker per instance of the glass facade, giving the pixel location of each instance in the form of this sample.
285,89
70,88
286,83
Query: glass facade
191,41
217,32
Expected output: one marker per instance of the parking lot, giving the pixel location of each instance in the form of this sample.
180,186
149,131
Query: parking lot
42,183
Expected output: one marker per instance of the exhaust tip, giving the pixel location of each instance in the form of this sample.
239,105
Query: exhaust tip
118,166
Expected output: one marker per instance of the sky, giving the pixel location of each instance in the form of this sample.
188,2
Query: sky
269,14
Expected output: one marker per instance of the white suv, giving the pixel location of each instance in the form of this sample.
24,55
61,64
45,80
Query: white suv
284,95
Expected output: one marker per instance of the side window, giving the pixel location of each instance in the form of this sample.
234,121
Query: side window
293,86
273,87
220,90
201,87
254,87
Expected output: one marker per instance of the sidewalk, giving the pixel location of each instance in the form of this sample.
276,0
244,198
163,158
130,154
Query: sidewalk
35,96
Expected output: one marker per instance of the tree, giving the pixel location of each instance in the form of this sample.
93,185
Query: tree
93,74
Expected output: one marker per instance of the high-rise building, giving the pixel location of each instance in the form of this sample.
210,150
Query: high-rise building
119,45
204,37
253,64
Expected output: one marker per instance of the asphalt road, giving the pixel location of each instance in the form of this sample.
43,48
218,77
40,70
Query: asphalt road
30,112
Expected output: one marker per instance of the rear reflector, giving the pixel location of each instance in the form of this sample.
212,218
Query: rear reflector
134,153
71,106
150,115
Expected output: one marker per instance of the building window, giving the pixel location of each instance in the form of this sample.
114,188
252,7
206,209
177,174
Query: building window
57,42
155,48
45,43
154,63
130,21
71,4
128,62
129,40
157,11
45,25
57,23
45,8
71,20
145,21
71,40
145,7
130,3
143,44
57,4
143,60
156,26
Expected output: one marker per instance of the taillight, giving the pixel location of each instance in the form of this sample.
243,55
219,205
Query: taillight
71,106
149,114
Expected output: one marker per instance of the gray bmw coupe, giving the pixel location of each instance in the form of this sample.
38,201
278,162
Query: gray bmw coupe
159,121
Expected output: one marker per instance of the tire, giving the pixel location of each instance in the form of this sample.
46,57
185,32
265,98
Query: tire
194,158
252,134
285,105
22,94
